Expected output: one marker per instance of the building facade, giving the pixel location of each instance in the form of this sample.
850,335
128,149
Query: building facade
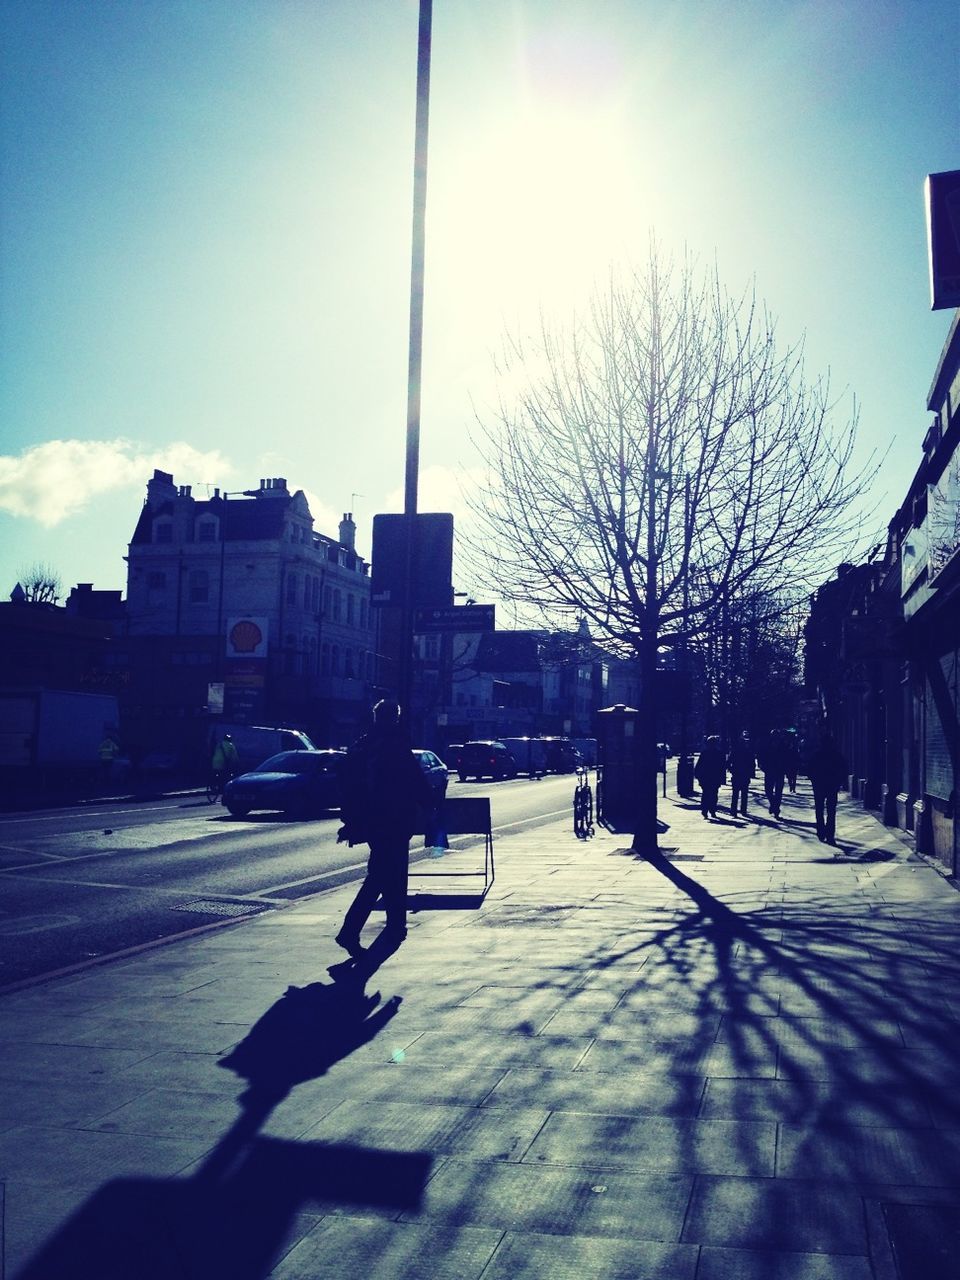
883,643
238,611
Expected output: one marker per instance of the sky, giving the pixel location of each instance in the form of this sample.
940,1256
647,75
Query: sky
205,228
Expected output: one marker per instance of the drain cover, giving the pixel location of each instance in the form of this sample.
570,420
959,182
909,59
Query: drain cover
209,907
925,1239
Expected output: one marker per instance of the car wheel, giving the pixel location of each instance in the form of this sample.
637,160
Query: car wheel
237,809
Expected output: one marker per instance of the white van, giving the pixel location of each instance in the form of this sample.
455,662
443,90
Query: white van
255,742
529,753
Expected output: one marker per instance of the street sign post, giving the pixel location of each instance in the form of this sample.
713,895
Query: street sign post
460,618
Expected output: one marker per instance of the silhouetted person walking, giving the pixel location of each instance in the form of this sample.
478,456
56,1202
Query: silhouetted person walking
791,757
383,790
827,770
773,762
711,773
743,762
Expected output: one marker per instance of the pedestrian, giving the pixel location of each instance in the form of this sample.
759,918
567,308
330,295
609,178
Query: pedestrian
773,762
384,791
743,762
226,760
108,751
827,770
791,757
711,773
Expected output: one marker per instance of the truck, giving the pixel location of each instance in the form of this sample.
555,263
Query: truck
53,735
529,753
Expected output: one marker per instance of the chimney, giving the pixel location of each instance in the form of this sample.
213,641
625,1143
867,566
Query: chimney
348,532
160,488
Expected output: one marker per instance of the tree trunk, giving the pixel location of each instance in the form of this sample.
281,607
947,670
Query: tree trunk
645,830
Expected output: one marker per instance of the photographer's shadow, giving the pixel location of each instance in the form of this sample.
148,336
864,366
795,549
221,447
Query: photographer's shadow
236,1212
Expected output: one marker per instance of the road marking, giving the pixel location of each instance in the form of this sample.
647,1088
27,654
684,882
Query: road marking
35,924
86,813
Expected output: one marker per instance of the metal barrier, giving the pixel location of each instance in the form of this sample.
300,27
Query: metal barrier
462,816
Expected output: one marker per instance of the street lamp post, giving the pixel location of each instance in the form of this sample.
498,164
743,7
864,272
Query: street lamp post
415,361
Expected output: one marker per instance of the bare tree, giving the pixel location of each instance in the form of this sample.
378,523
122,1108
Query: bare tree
748,659
41,584
657,457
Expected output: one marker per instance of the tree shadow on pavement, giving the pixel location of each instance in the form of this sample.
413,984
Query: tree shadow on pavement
834,1013
235,1215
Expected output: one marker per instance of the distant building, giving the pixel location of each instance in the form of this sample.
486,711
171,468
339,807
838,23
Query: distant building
520,683
239,611
49,646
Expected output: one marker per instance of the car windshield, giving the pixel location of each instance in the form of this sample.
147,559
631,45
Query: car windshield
298,762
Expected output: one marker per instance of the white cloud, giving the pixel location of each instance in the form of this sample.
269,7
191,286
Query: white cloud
325,519
53,481
441,489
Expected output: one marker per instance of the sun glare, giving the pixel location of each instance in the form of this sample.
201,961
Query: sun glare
536,210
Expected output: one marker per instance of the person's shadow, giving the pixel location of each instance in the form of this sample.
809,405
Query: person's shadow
231,1218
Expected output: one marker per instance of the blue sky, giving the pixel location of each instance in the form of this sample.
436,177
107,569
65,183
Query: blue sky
205,212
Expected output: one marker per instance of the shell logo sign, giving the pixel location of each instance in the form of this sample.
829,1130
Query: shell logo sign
247,638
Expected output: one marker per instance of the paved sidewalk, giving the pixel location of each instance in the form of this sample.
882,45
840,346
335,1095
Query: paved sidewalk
737,1059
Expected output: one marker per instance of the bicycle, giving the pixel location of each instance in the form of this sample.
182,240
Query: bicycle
583,827
215,784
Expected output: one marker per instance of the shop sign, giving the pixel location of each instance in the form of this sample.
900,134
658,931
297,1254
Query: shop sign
247,638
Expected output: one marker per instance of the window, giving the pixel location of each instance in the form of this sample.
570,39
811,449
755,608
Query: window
336,604
348,662
207,531
163,531
325,660
350,609
363,612
335,660
327,597
156,580
291,588
198,586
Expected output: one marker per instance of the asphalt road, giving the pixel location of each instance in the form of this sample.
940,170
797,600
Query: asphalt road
81,883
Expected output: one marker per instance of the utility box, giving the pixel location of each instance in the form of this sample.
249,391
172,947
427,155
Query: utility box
618,749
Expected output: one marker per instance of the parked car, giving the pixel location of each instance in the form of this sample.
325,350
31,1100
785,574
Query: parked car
435,771
295,782
486,759
452,755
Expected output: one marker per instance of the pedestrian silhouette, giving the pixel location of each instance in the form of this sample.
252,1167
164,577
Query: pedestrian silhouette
791,756
743,762
711,772
827,770
384,791
773,762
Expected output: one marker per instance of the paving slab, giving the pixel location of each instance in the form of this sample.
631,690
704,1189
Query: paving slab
732,1060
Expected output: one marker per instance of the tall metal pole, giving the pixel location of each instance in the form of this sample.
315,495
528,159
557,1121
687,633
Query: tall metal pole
415,361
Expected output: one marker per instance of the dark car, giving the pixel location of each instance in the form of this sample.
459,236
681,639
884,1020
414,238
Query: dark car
434,769
452,753
295,782
486,759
